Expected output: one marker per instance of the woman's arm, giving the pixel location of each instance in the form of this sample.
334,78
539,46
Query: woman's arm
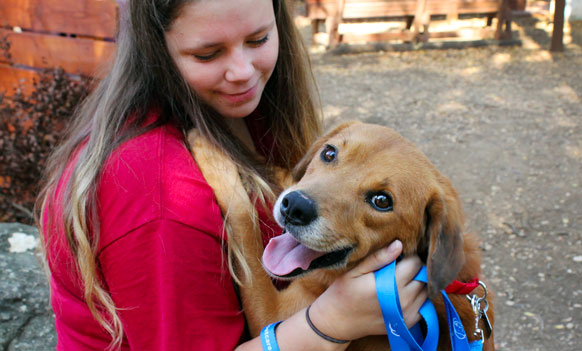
172,288
349,308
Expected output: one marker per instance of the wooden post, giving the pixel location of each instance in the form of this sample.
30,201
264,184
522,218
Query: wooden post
558,32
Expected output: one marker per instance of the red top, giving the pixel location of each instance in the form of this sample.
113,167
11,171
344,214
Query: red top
160,255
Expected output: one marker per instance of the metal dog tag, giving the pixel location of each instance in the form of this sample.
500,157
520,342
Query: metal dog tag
485,317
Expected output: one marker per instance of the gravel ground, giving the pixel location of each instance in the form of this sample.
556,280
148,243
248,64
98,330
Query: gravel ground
505,124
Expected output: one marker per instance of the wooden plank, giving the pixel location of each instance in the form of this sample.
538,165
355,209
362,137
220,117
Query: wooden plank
431,45
406,35
463,7
395,3
373,37
12,78
74,55
96,18
464,33
397,8
362,10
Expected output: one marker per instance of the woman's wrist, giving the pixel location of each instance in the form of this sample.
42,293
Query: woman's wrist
296,330
330,314
319,332
294,334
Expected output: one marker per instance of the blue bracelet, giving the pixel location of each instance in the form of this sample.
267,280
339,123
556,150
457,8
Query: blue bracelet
268,338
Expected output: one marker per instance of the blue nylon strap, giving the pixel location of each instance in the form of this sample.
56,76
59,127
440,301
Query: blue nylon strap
403,339
459,341
268,338
399,336
476,345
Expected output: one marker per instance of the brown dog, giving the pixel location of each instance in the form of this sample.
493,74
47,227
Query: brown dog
357,189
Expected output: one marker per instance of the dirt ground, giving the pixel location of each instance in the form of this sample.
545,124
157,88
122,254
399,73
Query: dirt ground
505,124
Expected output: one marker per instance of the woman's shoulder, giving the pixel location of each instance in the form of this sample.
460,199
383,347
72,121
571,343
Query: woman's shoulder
154,177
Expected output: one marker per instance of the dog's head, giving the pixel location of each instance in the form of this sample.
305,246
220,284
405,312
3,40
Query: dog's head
359,188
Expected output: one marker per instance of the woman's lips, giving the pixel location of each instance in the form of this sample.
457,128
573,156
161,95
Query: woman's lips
241,97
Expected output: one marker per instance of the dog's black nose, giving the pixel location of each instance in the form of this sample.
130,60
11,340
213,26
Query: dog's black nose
298,209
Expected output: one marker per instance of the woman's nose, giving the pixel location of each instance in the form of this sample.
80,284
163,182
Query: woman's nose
240,66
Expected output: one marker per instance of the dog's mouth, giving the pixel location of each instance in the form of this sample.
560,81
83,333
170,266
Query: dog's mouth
285,257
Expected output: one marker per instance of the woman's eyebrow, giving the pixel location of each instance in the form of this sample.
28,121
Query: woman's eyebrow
211,44
263,28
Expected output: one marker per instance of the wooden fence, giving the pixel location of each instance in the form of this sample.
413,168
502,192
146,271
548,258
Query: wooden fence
75,35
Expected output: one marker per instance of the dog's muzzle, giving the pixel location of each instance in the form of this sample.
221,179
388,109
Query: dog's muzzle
287,255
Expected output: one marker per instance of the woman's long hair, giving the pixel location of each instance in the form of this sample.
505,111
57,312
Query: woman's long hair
143,76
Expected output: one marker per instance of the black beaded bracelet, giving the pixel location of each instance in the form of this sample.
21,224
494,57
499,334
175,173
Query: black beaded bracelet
318,332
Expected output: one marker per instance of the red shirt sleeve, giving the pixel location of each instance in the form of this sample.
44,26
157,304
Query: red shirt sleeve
172,289
161,253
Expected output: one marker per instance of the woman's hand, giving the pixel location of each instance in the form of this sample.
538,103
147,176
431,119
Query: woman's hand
349,308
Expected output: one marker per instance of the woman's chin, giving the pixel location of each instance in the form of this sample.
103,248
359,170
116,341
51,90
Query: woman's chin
238,111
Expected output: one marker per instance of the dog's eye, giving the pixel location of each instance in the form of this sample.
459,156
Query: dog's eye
329,153
381,201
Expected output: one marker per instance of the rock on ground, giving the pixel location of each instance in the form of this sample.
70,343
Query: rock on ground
26,320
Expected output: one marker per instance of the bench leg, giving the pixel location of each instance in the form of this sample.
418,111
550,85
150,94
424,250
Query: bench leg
314,30
317,36
503,19
421,28
332,29
409,21
453,16
421,19
315,26
332,24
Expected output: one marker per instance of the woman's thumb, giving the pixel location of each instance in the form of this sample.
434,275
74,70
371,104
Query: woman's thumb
379,259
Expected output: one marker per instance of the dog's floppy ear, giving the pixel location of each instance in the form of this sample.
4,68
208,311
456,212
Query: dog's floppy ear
444,231
301,167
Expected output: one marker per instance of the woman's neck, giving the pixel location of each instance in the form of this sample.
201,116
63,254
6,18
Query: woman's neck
239,128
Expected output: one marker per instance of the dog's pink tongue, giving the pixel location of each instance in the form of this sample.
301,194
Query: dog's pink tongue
284,254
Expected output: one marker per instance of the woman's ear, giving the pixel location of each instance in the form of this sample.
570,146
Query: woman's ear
301,166
444,230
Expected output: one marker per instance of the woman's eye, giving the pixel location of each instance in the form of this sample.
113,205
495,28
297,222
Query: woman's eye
259,42
329,153
381,201
206,57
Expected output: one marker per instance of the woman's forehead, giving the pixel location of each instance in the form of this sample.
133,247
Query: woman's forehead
204,22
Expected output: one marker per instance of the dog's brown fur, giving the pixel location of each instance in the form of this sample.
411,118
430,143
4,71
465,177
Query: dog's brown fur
427,218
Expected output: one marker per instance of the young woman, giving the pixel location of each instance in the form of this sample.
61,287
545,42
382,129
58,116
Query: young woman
132,233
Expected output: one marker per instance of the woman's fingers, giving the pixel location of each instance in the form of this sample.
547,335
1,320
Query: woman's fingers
349,307
407,269
378,259
410,311
412,293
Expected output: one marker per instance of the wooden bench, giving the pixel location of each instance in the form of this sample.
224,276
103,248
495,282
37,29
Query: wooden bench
416,13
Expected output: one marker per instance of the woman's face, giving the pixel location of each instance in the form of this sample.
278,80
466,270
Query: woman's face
226,50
